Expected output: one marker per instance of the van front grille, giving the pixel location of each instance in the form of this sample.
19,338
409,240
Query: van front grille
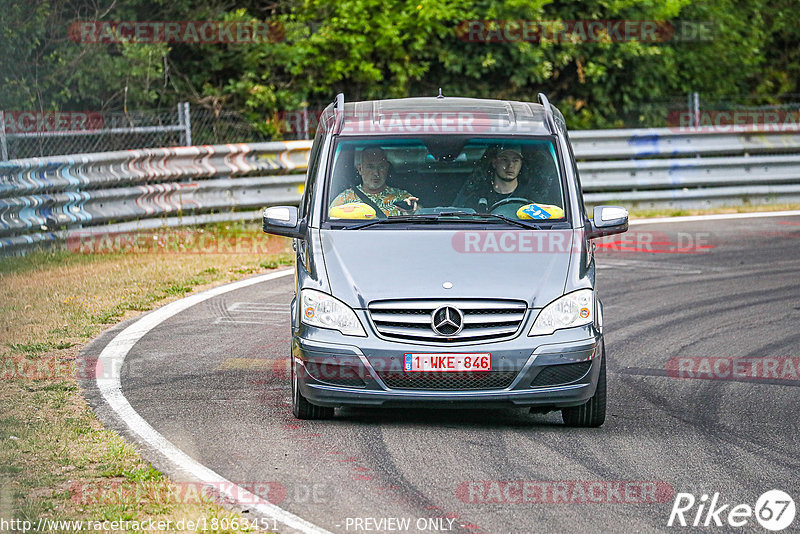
483,319
448,381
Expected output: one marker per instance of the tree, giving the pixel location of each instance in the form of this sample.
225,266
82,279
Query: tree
371,49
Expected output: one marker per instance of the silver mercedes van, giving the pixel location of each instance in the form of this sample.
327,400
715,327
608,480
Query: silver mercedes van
444,259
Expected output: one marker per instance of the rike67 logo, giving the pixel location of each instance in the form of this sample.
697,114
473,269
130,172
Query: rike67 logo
774,510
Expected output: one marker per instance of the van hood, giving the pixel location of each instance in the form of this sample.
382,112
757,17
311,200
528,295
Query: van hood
378,264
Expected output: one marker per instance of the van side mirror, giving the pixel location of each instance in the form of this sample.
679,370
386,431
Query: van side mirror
608,220
282,220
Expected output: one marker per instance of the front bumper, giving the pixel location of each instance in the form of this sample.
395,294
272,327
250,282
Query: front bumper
550,371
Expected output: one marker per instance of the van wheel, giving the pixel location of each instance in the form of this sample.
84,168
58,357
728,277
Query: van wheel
593,413
301,408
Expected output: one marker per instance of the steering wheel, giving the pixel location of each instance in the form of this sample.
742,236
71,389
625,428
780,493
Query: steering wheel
509,200
509,211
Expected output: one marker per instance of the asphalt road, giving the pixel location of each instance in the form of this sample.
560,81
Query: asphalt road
213,381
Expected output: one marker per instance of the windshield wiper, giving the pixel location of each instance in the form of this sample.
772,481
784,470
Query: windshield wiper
523,224
394,219
448,216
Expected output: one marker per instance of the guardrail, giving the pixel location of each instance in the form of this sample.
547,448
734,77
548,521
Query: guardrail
44,199
689,168
675,142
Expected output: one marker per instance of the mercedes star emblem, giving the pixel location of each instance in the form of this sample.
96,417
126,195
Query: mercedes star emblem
447,321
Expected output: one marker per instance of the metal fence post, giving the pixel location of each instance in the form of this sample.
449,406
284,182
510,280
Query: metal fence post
3,140
185,120
696,99
305,120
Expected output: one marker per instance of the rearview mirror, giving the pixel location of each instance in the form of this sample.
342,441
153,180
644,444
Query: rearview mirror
608,220
282,220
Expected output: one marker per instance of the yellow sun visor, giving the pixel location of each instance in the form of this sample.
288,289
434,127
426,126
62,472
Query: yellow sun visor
352,210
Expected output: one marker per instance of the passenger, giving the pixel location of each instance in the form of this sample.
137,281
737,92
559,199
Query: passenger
373,169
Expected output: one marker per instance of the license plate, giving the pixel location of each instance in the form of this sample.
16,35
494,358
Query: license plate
448,362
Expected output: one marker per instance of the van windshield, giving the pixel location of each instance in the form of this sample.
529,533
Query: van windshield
456,177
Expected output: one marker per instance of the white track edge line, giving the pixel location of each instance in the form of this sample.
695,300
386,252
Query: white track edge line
111,359
716,217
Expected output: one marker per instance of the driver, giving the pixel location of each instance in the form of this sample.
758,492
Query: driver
500,182
373,168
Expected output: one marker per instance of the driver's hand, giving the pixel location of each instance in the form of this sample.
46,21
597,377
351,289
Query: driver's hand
412,202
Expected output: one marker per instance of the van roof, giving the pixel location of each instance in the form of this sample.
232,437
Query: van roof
446,115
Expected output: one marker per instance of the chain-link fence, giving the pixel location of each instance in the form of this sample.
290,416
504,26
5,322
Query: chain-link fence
38,134
698,110
218,128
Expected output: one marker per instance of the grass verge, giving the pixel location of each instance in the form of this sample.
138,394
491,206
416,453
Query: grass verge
56,459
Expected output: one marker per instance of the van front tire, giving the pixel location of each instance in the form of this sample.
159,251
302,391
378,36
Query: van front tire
593,413
301,408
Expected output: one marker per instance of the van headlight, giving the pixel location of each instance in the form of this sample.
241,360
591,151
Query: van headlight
573,309
324,311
